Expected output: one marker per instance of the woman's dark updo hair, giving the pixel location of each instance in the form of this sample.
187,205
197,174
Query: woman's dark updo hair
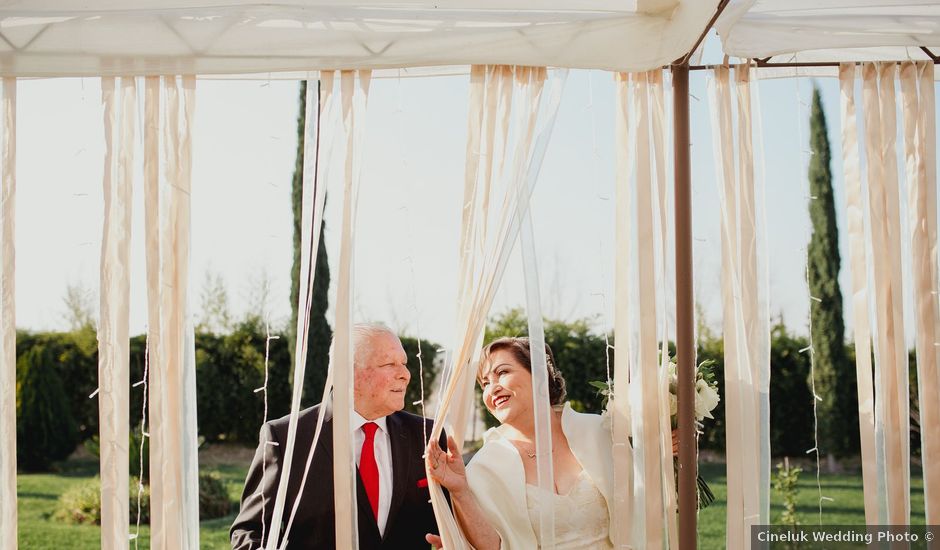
519,348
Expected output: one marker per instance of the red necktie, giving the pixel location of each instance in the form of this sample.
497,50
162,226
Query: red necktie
368,468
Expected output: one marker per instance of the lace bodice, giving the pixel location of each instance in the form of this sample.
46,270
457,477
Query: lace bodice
582,521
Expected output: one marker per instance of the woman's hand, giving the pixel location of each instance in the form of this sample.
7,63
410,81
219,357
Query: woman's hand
434,541
447,468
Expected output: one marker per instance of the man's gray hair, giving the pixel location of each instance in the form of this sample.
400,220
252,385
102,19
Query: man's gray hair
362,335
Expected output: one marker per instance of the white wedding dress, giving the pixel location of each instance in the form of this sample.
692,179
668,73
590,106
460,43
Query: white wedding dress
582,521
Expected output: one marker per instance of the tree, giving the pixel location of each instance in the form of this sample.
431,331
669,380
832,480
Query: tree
320,334
45,428
215,316
834,377
79,306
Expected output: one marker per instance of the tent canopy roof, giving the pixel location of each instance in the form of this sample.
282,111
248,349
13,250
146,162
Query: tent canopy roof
830,30
42,38
98,37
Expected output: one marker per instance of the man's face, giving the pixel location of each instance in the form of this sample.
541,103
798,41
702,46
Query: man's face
381,377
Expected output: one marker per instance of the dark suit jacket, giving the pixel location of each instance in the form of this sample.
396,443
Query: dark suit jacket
410,515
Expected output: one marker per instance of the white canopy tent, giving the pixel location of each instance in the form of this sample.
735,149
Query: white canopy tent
44,38
49,38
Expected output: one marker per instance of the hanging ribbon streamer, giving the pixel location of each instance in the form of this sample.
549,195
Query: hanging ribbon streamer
644,511
545,479
892,414
338,123
624,519
120,113
173,446
919,111
746,319
511,117
855,216
7,316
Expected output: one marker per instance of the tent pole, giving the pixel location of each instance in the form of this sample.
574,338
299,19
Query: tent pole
685,335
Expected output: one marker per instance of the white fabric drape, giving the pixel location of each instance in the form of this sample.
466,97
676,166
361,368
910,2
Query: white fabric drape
7,316
855,217
120,115
511,115
746,319
639,327
336,122
920,141
892,422
174,499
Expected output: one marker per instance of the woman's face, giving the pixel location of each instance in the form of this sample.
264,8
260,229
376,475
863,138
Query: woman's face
507,387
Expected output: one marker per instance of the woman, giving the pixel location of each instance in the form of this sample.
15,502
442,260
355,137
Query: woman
496,499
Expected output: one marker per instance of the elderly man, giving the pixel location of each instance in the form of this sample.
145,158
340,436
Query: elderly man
392,491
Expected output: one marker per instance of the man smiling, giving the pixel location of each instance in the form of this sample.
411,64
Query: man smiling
392,494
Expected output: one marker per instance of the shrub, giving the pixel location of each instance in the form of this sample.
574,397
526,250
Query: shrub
45,428
82,504
213,497
93,445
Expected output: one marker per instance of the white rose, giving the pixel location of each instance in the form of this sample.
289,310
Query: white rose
673,405
706,399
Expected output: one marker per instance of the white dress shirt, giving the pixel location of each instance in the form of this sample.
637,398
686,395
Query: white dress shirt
383,459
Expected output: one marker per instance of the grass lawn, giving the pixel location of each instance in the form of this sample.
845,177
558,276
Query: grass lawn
38,494
846,508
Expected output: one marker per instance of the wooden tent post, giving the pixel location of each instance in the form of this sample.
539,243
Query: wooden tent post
685,328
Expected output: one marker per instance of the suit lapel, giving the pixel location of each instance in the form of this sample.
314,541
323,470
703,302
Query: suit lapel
368,529
398,441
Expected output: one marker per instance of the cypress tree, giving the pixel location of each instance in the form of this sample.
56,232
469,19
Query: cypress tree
835,378
320,334
45,427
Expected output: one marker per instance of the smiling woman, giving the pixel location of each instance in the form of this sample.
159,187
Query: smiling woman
496,497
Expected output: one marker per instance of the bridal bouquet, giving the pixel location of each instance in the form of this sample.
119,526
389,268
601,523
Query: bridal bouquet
706,393
706,399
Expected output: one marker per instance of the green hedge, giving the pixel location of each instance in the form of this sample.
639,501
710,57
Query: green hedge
57,371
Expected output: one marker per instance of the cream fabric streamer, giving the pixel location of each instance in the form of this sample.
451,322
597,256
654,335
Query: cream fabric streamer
543,441
625,522
890,352
720,99
120,114
511,116
311,211
354,93
666,294
644,367
929,382
857,258
754,320
917,95
7,317
644,511
746,322
343,123
152,242
174,460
